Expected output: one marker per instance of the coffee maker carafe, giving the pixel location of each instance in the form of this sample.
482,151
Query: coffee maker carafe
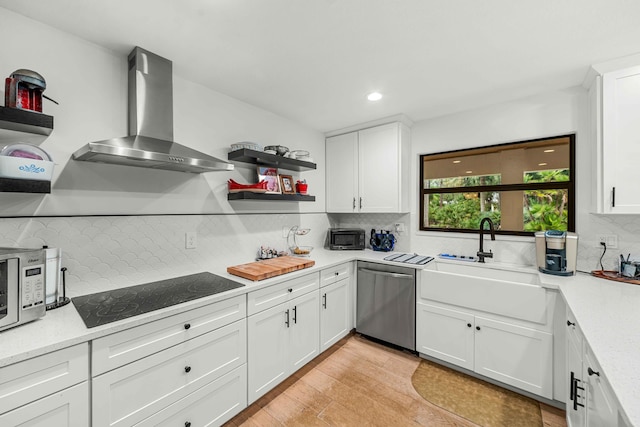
556,252
23,89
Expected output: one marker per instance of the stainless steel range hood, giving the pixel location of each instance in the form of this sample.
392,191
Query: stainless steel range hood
150,141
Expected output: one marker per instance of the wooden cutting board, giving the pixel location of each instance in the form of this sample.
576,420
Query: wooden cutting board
261,270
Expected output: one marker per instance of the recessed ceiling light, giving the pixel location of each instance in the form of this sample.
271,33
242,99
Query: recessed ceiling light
374,96
469,171
542,164
457,161
549,151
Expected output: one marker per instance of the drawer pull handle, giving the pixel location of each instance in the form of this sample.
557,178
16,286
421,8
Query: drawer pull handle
468,325
187,325
187,424
290,289
187,369
592,372
477,328
570,323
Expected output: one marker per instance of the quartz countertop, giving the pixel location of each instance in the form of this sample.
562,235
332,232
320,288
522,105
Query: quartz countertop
608,313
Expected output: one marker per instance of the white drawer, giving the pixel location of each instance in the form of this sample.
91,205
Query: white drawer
211,405
271,296
134,392
334,274
128,346
66,408
32,379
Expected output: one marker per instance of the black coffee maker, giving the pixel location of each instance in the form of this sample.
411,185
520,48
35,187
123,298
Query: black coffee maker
556,252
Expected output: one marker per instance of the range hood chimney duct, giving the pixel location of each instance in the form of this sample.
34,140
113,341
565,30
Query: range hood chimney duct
150,142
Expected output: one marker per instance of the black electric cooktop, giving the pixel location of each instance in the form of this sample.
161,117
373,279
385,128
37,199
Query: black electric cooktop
111,306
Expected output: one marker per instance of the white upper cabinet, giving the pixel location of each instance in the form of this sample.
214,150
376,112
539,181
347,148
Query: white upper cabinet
368,170
614,108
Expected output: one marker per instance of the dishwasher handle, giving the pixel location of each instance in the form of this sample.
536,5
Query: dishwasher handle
386,273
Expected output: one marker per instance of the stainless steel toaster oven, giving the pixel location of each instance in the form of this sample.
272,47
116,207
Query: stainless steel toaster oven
22,286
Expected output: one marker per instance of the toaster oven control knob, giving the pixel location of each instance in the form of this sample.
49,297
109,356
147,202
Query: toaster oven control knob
187,325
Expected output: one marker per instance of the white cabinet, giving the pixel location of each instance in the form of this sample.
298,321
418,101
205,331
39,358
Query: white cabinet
283,336
506,352
159,370
614,108
47,390
368,170
591,401
445,333
497,328
335,305
66,408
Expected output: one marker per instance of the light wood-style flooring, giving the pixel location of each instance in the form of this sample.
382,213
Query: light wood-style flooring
357,383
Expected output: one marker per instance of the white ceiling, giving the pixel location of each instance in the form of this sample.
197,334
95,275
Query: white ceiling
314,61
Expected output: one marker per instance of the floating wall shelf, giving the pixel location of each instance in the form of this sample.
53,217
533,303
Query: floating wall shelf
10,185
31,122
245,155
247,195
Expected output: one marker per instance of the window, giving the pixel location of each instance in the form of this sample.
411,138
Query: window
523,187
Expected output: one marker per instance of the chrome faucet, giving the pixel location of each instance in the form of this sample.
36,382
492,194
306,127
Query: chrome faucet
481,253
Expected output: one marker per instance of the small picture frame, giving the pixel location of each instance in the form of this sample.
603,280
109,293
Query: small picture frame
270,175
286,184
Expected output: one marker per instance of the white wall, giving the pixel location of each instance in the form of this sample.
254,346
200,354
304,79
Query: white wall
548,114
90,84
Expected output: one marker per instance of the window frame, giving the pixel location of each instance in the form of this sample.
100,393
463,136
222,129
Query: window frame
569,185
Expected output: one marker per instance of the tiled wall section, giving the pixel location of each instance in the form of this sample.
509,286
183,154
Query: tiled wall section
367,221
116,251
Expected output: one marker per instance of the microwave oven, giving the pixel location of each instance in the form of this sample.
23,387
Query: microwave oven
346,239
22,286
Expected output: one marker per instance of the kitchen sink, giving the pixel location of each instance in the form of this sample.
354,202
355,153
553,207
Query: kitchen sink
497,271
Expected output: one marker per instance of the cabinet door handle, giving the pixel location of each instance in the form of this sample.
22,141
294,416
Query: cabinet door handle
477,328
613,197
187,369
570,323
572,389
360,202
354,203
324,301
187,325
286,322
295,314
591,372
468,325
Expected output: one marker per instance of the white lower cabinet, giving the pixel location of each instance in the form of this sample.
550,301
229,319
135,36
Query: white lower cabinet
512,354
591,401
66,408
211,405
149,383
335,312
282,339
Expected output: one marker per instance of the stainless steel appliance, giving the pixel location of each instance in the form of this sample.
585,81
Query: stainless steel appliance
150,142
386,303
346,239
556,252
22,286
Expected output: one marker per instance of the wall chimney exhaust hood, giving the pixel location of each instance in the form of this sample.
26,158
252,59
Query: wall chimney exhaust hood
150,141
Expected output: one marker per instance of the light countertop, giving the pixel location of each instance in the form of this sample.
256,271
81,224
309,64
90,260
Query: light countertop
608,313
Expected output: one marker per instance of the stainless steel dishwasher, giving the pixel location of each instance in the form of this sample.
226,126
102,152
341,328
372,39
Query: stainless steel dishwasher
386,303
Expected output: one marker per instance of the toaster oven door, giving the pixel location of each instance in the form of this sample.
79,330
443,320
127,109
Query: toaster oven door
8,292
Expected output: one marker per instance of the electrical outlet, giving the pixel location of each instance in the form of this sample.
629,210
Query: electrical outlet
190,240
399,227
611,240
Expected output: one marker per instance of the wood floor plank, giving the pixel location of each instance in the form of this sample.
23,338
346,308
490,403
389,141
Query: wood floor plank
357,382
